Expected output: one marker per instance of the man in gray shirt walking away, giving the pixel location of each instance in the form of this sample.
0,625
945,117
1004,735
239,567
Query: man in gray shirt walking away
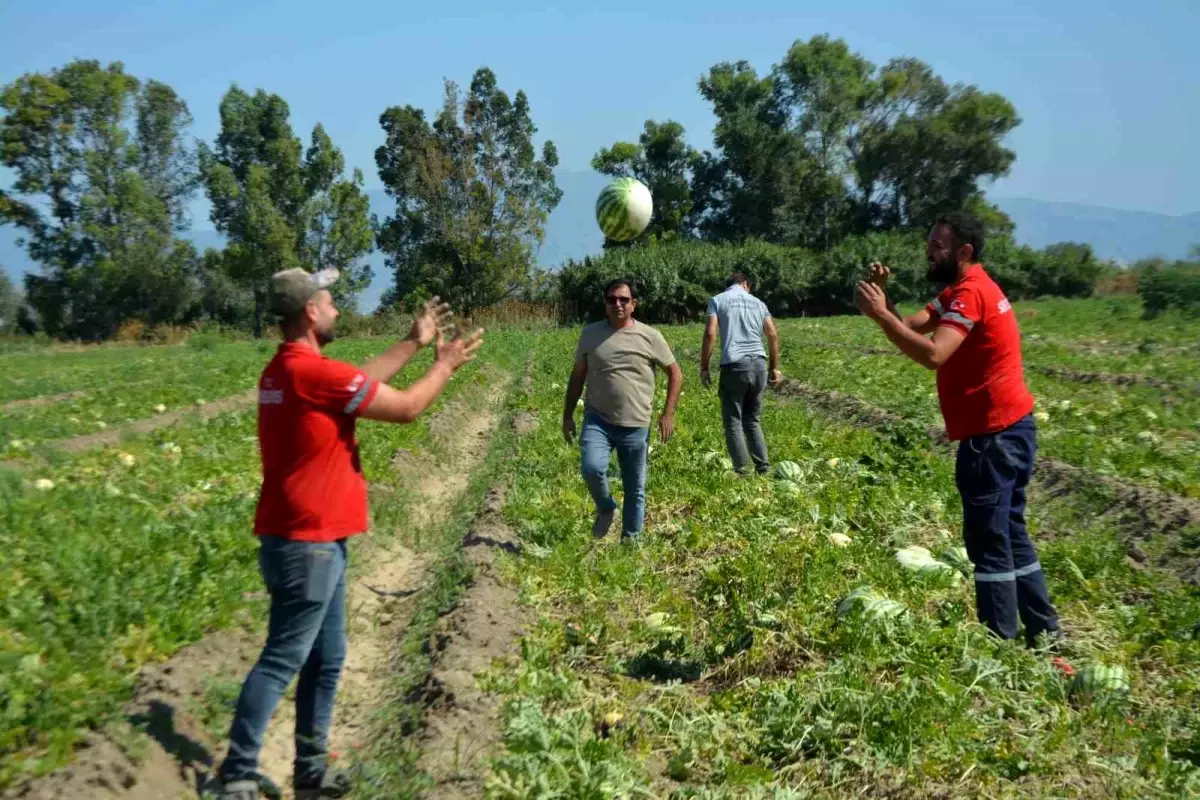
743,319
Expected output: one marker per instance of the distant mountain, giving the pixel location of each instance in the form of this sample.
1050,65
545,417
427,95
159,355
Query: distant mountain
571,232
1124,236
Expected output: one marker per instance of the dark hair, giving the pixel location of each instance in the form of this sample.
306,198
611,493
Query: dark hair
967,229
617,283
736,278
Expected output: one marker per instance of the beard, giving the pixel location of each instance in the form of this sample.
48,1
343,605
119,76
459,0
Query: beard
943,270
326,336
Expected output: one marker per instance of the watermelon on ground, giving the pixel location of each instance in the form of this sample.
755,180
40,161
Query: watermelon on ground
788,471
917,559
1098,679
874,605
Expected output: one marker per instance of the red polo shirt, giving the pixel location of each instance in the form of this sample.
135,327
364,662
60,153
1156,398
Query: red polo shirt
981,388
313,489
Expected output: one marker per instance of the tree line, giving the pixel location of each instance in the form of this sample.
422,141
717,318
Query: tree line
105,171
822,150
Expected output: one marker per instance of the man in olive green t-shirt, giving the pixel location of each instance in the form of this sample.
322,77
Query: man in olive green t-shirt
616,358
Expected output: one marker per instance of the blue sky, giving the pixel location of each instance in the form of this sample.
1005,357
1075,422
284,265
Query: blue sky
1109,91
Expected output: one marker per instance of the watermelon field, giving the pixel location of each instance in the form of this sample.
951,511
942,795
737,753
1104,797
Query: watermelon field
764,641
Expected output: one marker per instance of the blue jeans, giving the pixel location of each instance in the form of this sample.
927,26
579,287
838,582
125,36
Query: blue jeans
306,634
992,473
596,443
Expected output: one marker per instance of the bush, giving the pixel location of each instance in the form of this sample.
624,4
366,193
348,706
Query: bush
1166,286
674,281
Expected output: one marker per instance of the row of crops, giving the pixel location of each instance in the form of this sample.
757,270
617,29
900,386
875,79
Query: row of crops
119,556
808,634
812,634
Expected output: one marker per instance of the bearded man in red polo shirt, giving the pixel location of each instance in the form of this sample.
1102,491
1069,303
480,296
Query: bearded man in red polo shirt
313,499
976,351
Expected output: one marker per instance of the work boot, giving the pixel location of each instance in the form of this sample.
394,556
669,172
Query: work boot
332,784
603,523
239,790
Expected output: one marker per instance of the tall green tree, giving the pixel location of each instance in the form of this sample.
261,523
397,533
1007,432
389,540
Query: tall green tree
278,206
663,160
738,189
103,170
828,145
472,196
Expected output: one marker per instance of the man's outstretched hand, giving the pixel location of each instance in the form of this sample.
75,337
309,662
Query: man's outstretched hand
435,317
458,351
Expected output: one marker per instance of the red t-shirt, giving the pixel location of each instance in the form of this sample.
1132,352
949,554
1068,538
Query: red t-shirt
981,387
313,489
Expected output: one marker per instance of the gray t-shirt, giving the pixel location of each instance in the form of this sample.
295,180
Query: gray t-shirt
620,371
741,316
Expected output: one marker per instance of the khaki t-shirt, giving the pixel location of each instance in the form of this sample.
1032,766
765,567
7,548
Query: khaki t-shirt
620,371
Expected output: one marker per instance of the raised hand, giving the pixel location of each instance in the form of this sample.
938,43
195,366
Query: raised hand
435,317
870,299
458,351
879,274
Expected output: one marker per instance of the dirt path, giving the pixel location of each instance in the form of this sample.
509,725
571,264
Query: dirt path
379,602
40,400
79,444
462,721
170,699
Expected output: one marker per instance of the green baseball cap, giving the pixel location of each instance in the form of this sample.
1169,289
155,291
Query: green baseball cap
291,289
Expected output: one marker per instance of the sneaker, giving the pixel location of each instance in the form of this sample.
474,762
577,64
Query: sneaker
333,783
246,789
603,523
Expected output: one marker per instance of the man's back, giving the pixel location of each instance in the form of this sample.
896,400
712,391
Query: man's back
741,316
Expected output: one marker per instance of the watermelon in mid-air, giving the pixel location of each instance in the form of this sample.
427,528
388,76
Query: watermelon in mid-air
623,209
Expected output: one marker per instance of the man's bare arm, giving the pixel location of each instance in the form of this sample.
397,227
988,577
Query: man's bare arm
772,347
574,392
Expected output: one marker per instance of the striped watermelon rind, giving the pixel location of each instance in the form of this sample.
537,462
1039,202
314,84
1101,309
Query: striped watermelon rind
623,209
1101,679
875,607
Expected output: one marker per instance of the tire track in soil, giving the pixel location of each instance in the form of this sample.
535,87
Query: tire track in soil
180,754
91,441
380,603
1061,373
461,728
1140,511
113,436
40,400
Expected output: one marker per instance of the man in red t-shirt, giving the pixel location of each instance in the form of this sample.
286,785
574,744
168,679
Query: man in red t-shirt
313,499
976,350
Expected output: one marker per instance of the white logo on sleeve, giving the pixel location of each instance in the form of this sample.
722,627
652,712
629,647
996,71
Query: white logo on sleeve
354,384
1004,306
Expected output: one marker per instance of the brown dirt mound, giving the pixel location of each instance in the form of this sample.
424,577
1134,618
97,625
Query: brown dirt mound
1116,379
462,722
178,755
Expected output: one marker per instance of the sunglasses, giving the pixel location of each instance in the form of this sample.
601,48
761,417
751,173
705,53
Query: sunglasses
613,300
